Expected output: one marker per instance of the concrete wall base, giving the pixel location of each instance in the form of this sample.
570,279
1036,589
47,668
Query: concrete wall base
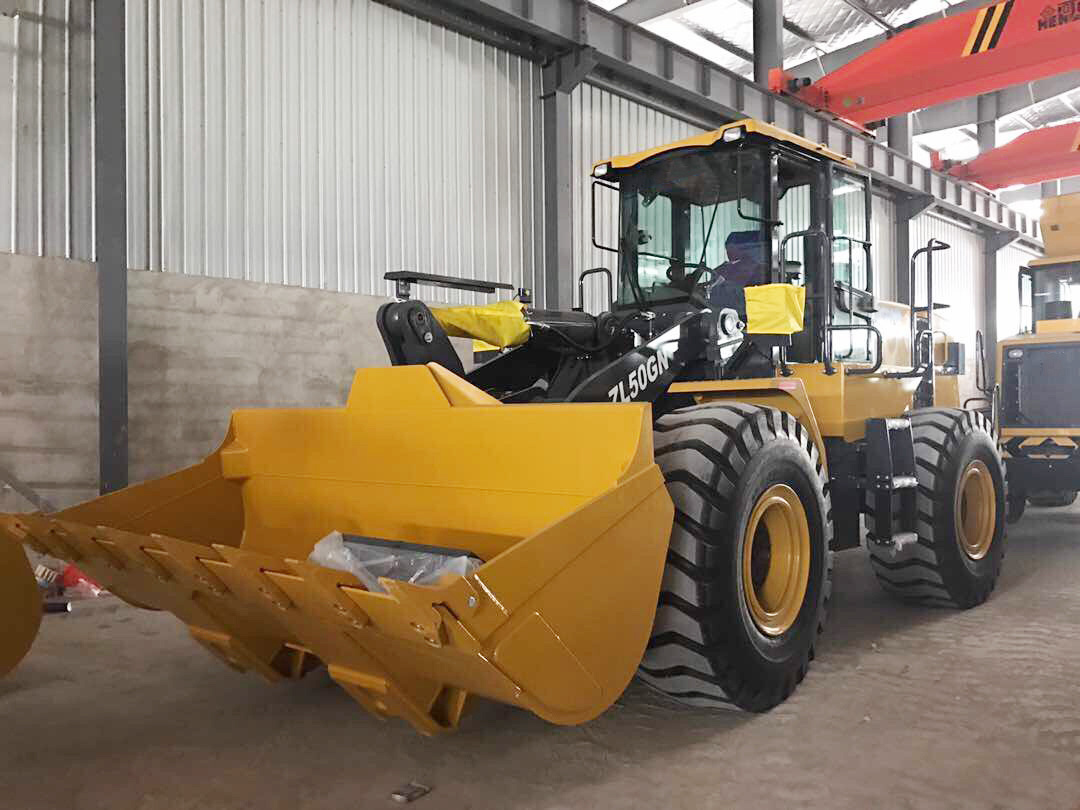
198,348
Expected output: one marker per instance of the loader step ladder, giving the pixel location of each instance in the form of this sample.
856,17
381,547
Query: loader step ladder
891,483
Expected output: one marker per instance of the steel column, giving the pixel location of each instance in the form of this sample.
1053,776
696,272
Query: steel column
110,237
907,208
558,230
987,122
768,38
560,77
899,134
993,243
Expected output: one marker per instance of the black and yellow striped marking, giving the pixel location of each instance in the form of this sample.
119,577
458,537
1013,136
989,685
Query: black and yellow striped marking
987,28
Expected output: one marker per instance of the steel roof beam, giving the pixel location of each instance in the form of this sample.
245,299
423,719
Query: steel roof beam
643,11
713,38
828,62
1010,100
865,12
1040,191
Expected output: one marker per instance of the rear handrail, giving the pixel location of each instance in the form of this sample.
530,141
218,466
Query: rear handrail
854,327
932,246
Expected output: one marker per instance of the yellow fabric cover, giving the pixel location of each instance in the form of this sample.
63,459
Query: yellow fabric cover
500,325
775,309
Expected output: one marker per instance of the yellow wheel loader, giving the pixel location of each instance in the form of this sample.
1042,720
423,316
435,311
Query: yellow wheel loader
656,490
1038,370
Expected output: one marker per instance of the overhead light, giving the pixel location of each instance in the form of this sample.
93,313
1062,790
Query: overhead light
601,170
733,134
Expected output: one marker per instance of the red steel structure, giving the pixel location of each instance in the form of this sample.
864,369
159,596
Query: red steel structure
1003,44
1035,157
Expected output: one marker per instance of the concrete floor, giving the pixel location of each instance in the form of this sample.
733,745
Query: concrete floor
905,707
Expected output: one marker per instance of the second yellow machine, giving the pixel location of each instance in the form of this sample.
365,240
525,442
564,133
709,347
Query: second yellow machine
658,489
1038,370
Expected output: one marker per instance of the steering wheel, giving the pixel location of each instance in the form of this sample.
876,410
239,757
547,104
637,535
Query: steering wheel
698,273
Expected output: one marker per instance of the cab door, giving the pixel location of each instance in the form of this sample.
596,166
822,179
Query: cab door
801,190
851,270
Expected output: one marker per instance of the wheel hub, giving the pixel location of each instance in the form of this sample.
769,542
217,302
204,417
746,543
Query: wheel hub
976,510
776,560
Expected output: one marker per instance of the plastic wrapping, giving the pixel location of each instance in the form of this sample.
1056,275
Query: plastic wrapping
775,309
369,558
500,325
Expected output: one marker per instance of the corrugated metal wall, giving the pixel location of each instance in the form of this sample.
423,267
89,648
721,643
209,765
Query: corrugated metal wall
307,142
46,130
959,281
603,125
323,142
883,238
1010,260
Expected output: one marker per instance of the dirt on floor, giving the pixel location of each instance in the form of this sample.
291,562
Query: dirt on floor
904,708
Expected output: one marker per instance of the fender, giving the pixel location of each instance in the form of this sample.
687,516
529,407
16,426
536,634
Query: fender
788,395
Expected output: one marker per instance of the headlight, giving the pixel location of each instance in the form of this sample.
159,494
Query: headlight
1016,354
732,135
601,170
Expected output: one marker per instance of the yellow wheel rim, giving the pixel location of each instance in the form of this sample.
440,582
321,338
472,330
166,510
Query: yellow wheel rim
976,510
776,560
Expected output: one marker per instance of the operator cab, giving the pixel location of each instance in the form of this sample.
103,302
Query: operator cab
1049,291
702,220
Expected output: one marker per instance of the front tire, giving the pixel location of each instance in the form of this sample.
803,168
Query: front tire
961,522
749,570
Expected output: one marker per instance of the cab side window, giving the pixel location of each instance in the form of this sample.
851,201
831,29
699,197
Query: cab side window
654,237
851,264
852,299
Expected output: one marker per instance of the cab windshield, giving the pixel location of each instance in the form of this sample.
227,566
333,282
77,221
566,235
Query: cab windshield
692,223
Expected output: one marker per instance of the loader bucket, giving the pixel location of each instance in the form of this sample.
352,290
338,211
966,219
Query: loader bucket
20,607
562,503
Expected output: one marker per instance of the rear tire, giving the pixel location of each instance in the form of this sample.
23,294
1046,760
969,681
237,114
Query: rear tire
1053,499
1016,506
751,506
961,522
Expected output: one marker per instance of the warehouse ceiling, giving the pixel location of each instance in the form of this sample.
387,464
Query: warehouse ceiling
721,30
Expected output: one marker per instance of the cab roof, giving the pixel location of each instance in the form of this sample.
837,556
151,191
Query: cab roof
711,138
1050,261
